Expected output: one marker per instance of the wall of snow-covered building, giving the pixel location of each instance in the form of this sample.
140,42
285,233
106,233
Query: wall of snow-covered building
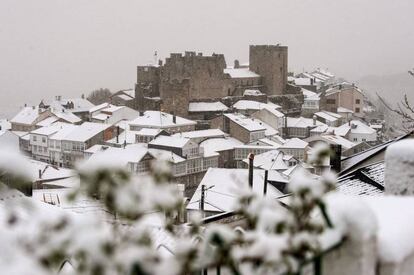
270,118
362,137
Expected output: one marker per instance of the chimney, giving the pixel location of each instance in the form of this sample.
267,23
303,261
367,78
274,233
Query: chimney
117,134
314,120
311,81
335,159
236,64
174,118
40,174
251,158
399,172
160,62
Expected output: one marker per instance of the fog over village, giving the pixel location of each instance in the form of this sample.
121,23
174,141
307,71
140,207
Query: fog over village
206,137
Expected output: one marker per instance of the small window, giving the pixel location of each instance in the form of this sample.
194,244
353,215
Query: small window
357,110
43,139
357,101
34,138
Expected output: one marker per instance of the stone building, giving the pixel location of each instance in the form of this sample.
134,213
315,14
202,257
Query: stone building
270,62
192,77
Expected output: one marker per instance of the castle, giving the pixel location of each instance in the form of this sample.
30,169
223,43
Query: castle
194,78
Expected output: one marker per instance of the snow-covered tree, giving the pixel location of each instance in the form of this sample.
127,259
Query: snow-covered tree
275,238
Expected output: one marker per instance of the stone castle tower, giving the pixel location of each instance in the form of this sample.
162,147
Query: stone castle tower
271,62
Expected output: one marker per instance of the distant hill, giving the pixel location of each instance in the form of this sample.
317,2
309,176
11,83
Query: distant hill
391,87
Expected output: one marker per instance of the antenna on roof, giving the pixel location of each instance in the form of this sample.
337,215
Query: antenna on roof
155,58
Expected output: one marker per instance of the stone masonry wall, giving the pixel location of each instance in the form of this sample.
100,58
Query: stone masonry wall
270,61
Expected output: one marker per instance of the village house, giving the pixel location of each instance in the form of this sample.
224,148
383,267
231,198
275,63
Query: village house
112,114
329,118
241,152
237,125
344,95
196,162
295,147
83,137
77,106
311,102
300,127
124,98
305,83
40,143
205,111
357,131
224,147
242,79
271,116
27,118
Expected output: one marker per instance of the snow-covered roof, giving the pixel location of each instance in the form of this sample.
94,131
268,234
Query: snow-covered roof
99,107
27,115
67,116
355,127
96,148
207,107
86,131
79,104
48,172
47,121
302,122
132,153
368,180
126,137
320,129
148,132
213,145
346,144
329,116
170,141
101,116
240,73
165,155
251,92
295,143
222,188
252,105
270,160
209,133
50,129
157,119
63,132
309,95
249,124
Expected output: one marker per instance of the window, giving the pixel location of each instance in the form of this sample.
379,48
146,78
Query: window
34,138
143,166
357,110
43,139
357,101
330,101
355,139
364,139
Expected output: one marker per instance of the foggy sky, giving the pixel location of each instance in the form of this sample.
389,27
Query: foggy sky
51,47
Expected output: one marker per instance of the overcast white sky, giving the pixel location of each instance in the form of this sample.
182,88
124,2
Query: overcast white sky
50,47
